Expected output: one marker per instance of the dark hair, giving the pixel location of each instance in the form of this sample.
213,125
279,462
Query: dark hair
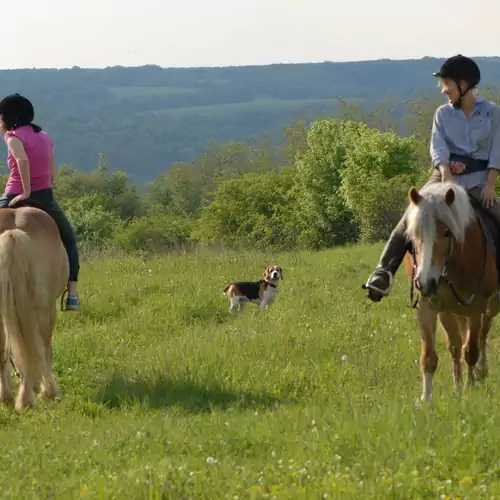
17,111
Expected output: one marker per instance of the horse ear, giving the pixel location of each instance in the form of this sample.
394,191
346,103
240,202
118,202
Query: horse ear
414,196
449,197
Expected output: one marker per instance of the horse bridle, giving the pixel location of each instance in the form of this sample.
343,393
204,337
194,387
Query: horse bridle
444,271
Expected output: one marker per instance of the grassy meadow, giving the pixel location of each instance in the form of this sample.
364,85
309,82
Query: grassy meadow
165,395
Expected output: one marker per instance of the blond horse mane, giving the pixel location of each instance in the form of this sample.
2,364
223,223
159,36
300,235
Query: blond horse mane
433,206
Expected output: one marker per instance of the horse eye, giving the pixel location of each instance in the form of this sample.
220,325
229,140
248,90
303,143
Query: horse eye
447,233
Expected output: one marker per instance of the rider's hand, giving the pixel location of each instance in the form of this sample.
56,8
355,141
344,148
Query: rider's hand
19,198
489,196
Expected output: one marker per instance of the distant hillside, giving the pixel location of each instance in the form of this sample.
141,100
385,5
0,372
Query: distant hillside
148,117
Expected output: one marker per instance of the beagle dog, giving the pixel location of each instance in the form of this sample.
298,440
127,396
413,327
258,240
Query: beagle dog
260,292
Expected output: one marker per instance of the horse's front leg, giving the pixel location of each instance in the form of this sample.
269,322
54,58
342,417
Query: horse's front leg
471,348
427,322
456,329
481,370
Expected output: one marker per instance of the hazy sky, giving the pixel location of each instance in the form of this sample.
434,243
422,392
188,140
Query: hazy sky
93,33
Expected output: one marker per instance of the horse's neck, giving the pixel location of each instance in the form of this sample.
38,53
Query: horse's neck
471,259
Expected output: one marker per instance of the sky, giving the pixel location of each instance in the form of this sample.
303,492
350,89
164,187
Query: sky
186,33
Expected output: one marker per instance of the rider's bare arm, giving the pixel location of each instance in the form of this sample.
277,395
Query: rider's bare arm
446,175
16,147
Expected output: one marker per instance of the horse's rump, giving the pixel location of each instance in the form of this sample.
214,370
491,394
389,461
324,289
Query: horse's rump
34,270
19,301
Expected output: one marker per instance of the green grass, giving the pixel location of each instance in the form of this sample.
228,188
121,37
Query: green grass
168,396
122,92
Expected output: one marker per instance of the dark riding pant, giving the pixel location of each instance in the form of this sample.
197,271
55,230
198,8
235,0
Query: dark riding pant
44,200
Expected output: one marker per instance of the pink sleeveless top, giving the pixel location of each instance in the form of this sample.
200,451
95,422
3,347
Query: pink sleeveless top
38,148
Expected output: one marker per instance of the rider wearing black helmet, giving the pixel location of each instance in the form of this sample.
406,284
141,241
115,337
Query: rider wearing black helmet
465,149
460,69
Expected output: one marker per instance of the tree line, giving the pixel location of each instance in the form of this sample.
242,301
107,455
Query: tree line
148,117
332,182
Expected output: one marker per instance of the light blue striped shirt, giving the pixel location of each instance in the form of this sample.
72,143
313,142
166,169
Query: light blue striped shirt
477,137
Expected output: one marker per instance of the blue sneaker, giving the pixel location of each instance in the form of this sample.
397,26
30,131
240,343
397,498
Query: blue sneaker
72,303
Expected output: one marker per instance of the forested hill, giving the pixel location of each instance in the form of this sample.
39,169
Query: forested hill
148,117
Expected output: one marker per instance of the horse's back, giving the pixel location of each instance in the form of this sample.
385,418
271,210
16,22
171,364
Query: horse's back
33,221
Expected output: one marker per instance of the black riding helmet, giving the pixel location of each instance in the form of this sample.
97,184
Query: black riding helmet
459,68
17,111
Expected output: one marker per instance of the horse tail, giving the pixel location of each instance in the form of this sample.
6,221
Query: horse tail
17,304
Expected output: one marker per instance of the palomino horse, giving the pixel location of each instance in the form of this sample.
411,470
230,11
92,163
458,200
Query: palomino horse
455,273
33,274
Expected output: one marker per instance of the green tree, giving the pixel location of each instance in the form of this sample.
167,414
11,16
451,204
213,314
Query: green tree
119,196
379,169
179,190
157,231
295,141
220,162
254,210
325,218
93,224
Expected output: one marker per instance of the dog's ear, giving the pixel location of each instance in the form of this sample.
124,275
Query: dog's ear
266,272
281,272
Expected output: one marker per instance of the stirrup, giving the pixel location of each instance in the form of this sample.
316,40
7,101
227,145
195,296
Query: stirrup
384,293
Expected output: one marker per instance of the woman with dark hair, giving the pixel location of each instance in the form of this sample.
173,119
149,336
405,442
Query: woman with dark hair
31,163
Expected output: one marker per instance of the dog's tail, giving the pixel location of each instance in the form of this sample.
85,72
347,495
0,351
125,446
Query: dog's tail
226,289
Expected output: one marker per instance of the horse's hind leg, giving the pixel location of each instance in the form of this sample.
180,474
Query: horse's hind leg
481,370
6,394
455,326
427,322
471,348
49,388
